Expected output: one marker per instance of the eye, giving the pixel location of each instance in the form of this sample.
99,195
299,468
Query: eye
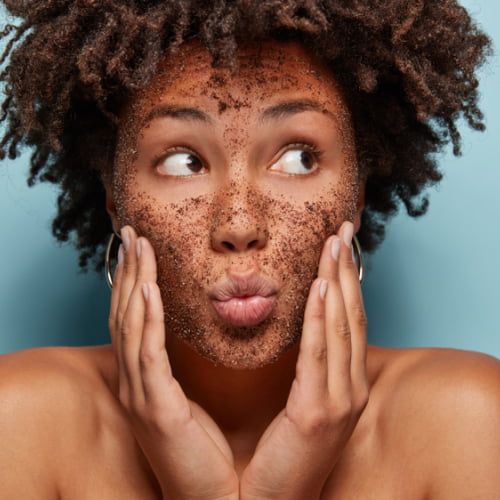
299,158
177,160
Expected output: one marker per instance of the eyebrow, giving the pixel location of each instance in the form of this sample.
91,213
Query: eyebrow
273,113
180,112
288,108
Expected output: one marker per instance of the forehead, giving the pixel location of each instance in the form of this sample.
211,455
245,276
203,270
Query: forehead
266,71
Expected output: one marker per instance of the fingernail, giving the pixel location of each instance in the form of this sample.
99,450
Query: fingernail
120,254
138,247
335,248
145,290
125,238
348,232
322,288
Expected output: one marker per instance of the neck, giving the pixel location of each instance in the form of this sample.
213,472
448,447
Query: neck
241,402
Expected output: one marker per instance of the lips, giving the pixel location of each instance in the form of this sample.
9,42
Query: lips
244,300
248,311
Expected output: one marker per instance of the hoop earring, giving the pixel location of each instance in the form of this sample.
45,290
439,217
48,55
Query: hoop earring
358,258
357,254
107,263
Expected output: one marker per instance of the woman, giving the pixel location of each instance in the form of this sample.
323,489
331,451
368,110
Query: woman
240,152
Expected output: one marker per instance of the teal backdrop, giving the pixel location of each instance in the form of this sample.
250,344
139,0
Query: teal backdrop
434,281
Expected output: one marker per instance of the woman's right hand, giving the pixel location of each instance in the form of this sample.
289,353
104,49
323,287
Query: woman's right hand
184,446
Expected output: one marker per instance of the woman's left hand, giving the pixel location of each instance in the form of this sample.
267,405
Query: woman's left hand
301,446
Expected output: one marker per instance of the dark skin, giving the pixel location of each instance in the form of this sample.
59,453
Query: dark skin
237,211
217,397
246,212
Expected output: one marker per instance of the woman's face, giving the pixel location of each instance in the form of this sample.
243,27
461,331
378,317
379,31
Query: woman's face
236,185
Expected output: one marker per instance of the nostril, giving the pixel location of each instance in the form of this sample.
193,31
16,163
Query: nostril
252,244
228,245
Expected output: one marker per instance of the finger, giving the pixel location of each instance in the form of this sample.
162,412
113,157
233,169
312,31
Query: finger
112,321
311,371
129,271
153,357
353,298
338,337
325,262
137,355
115,295
156,370
130,318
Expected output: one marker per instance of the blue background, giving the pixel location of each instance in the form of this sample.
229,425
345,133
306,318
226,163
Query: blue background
433,282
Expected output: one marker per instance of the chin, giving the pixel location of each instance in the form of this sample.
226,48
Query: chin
244,348
193,321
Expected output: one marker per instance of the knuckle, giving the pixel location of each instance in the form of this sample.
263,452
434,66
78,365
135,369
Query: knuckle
173,415
318,314
334,278
315,423
147,357
145,418
137,411
319,353
179,420
342,330
129,265
125,331
342,411
362,401
349,261
360,316
155,422
120,316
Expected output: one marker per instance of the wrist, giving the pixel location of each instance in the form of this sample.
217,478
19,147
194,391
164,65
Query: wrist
232,496
295,495
292,493
173,496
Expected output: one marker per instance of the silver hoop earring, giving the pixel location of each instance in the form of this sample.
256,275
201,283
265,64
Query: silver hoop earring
107,263
358,258
357,254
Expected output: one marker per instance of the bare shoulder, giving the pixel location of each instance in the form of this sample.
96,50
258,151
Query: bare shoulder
444,411
49,373
452,379
48,397
438,370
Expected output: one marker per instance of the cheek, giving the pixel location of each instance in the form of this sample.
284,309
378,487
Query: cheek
181,233
177,232
299,234
173,229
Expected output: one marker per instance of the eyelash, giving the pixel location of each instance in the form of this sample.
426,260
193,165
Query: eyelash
311,148
176,149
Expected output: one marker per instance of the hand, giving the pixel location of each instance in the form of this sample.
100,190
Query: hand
298,450
186,449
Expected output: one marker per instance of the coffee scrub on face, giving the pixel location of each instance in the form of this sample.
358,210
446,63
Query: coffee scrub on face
290,219
235,138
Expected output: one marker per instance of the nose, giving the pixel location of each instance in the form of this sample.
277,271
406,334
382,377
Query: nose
238,234
237,227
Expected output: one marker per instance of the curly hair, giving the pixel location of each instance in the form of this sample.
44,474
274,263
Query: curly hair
408,69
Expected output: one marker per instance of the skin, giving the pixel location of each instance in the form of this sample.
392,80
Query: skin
239,216
427,409
236,215
328,394
248,208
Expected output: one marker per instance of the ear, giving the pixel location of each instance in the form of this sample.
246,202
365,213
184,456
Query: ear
360,206
110,208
